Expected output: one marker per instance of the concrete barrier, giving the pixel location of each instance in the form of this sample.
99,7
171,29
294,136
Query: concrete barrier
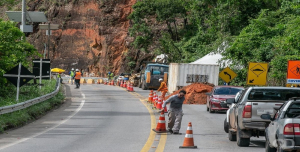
99,81
90,81
82,81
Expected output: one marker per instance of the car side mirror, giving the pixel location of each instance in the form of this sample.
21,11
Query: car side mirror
266,117
208,93
230,101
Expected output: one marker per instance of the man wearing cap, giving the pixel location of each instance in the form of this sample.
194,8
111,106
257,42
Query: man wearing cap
77,78
175,111
163,88
72,74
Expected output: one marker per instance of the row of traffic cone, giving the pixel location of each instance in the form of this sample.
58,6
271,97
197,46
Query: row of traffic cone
156,100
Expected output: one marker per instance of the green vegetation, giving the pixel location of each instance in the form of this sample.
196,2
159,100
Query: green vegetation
13,49
254,30
21,117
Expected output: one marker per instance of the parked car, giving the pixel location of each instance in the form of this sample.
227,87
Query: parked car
245,117
230,104
216,99
283,133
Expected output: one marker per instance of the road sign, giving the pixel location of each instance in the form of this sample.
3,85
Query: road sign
18,76
293,72
45,68
257,73
227,74
12,75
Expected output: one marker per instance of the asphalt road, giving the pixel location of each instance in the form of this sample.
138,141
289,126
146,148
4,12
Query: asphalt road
107,118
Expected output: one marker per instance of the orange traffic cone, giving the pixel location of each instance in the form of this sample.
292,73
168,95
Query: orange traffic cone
121,84
188,140
155,101
166,110
161,125
131,88
158,105
150,98
124,85
105,83
154,96
112,82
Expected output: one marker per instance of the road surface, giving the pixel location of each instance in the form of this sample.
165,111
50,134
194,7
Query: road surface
108,118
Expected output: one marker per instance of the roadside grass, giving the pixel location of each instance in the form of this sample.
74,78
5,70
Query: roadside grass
24,116
27,92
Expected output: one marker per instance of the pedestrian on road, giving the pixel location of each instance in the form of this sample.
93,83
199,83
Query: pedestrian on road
59,76
163,88
77,78
175,111
72,75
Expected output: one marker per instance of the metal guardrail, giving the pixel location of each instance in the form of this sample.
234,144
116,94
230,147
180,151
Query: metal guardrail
28,103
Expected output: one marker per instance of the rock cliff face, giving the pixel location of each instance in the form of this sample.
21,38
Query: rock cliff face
93,34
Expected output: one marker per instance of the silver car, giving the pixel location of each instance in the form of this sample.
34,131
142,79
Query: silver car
231,104
283,133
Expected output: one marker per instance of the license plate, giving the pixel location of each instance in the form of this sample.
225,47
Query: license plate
262,111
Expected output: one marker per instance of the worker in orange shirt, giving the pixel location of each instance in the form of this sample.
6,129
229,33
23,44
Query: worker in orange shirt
163,88
77,78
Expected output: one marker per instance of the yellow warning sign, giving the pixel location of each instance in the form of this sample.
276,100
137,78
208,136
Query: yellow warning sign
227,74
257,73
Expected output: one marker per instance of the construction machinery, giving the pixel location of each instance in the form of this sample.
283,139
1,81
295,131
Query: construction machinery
150,73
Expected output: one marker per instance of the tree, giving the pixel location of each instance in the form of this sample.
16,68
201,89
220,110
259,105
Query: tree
13,48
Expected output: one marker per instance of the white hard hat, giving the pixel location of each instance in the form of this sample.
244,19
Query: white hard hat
160,79
77,70
72,69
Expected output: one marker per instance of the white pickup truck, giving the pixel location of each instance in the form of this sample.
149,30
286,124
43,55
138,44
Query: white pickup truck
245,117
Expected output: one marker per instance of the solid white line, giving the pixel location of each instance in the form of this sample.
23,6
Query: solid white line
33,136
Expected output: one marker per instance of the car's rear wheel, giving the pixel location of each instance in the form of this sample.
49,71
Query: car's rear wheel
226,128
268,148
144,86
241,142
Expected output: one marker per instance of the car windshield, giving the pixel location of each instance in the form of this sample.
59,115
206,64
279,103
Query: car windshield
273,94
227,91
293,111
157,70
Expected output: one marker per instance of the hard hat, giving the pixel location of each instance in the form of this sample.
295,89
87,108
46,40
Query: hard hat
72,69
77,70
160,79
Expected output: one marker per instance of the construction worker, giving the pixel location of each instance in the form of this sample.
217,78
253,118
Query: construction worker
59,76
77,78
163,88
72,75
175,111
110,76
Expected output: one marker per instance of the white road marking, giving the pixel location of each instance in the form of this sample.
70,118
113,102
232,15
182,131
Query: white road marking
33,136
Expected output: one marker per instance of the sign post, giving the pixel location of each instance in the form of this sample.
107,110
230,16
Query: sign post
18,83
257,73
227,75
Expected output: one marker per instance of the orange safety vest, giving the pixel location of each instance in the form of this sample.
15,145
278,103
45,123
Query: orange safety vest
77,75
163,87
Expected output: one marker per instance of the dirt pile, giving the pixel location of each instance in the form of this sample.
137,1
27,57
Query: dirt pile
195,93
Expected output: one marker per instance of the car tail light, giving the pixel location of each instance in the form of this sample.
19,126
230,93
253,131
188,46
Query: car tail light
291,129
247,112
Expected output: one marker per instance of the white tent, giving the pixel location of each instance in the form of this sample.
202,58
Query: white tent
209,59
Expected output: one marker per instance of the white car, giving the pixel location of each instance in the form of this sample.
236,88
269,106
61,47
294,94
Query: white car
226,128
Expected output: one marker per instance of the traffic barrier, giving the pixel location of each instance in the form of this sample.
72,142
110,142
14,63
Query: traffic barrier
166,110
158,105
150,98
82,81
188,140
90,81
131,88
161,125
